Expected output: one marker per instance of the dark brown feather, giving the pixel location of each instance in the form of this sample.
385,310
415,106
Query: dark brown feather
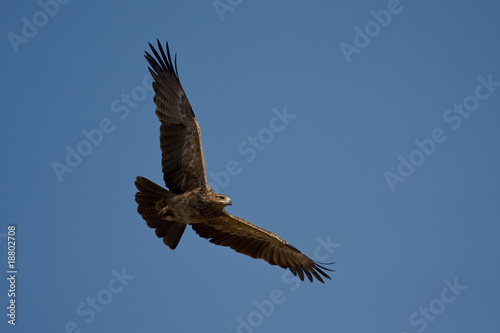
147,197
244,237
182,160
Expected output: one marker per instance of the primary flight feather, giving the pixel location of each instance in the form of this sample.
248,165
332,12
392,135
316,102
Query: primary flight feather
189,199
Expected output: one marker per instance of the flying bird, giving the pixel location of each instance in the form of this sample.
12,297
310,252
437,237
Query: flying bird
189,199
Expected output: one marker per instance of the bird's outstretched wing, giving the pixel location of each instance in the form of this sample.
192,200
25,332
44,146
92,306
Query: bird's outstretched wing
244,237
182,160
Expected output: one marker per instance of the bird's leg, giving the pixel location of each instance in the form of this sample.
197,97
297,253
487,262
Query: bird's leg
166,214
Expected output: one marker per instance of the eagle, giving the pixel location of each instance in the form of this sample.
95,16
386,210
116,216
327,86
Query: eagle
189,199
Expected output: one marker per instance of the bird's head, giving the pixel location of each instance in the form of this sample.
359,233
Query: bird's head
221,201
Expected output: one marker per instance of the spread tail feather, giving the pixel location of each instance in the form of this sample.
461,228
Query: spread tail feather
147,197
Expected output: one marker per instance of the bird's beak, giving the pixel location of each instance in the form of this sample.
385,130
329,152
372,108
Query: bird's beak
230,203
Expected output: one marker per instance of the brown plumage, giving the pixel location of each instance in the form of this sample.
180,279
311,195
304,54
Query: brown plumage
189,199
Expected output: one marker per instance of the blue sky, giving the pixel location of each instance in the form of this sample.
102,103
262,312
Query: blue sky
384,159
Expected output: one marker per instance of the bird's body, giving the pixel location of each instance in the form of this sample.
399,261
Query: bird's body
192,207
189,199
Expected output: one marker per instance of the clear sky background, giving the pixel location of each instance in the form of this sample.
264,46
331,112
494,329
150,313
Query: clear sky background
387,164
